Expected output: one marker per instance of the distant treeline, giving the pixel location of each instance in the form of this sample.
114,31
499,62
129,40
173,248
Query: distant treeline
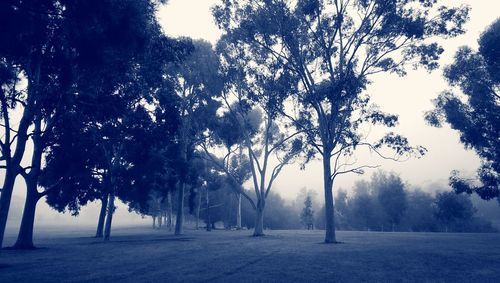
384,203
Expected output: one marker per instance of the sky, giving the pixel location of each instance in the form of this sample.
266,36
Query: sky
409,97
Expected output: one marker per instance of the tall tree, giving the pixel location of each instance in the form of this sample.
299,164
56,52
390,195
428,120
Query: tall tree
472,108
198,83
333,47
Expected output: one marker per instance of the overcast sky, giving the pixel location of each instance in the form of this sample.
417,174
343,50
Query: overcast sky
409,97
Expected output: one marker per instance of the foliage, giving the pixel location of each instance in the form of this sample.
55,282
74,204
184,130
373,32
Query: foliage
472,108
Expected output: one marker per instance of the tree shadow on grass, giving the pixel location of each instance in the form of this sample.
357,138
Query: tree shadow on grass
144,240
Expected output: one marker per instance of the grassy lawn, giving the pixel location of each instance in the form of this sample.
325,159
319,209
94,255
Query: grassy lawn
143,255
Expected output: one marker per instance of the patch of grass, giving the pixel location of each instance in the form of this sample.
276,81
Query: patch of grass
140,254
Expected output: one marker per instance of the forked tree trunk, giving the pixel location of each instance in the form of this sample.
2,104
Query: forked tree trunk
238,212
102,217
179,221
25,236
330,236
109,216
5,198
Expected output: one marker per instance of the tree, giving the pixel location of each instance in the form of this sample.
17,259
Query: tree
307,215
258,93
391,195
452,209
198,83
472,108
332,48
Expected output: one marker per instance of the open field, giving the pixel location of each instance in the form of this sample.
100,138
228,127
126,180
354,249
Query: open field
143,255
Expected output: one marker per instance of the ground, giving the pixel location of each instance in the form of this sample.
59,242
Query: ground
141,254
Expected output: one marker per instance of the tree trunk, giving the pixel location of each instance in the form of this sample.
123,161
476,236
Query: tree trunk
102,217
154,221
159,220
198,208
259,221
25,236
109,216
179,221
329,205
5,198
209,227
238,213
169,210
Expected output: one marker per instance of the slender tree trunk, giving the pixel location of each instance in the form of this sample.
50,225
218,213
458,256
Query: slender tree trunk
238,213
154,221
198,208
109,216
102,217
330,236
179,221
159,220
5,198
209,227
25,236
169,210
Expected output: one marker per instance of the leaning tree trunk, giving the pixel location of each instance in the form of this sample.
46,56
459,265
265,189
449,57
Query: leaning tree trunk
179,221
238,213
259,220
109,216
5,198
102,217
329,205
25,236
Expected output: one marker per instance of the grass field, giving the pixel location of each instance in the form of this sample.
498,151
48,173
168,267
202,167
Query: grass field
140,254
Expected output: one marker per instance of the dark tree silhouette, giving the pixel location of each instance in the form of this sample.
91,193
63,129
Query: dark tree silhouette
473,109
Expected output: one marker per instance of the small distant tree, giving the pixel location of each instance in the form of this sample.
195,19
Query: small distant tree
452,209
307,215
391,195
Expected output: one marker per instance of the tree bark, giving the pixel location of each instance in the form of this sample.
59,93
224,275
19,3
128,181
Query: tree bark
25,236
198,208
238,213
209,227
169,210
5,198
109,216
179,221
102,217
330,236
259,220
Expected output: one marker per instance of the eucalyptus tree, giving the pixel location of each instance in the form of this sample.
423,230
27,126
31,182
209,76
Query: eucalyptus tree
472,108
197,84
333,48
251,99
